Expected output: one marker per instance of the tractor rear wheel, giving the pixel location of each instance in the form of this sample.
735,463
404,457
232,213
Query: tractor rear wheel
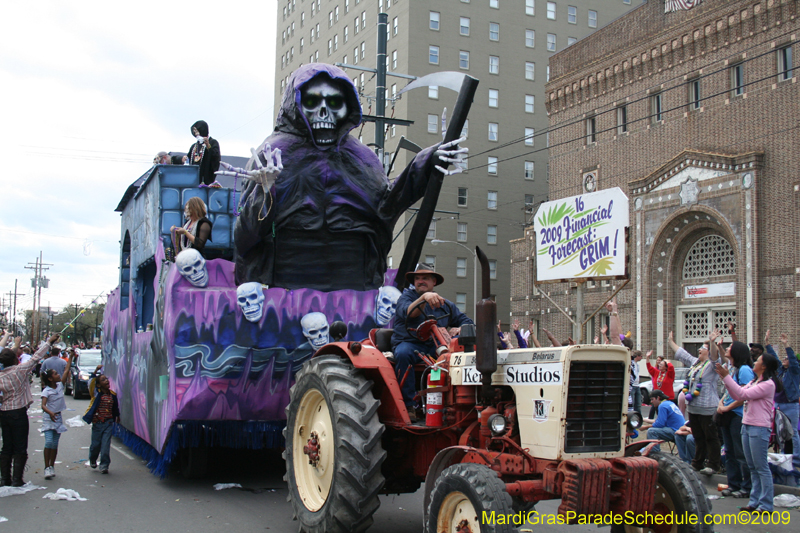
679,492
333,447
469,497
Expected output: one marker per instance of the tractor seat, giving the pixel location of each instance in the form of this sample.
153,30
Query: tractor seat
383,339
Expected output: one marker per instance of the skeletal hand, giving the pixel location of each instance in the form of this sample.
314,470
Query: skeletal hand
263,175
454,156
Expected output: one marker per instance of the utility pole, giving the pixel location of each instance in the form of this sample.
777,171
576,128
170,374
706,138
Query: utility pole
14,315
37,282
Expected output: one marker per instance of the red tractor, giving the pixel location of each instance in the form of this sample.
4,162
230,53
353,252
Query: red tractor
501,432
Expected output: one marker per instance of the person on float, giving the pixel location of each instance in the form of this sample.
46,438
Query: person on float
204,153
317,209
423,301
197,230
729,419
700,392
759,397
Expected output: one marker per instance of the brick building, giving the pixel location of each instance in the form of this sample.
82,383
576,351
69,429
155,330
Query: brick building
694,114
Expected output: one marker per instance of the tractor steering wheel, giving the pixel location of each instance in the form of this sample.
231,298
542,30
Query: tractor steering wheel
414,332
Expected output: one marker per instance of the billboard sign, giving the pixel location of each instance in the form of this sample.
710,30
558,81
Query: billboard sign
582,237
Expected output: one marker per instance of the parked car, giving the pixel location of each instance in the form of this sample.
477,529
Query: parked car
81,369
647,386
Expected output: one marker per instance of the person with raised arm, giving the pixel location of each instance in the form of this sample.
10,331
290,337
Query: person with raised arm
700,392
787,401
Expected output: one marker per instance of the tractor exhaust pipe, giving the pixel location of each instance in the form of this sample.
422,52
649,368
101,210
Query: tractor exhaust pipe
485,319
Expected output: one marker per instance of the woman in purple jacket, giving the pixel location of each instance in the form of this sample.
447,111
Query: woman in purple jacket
757,425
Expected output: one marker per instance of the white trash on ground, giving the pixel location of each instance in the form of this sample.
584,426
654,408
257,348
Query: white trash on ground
64,494
75,422
14,491
223,486
786,500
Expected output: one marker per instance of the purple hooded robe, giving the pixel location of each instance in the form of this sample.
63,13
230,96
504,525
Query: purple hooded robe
327,222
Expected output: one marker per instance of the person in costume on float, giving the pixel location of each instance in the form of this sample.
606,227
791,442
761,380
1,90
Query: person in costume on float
197,229
204,153
317,209
423,300
700,391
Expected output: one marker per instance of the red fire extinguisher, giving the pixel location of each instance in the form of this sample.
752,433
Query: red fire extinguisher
433,403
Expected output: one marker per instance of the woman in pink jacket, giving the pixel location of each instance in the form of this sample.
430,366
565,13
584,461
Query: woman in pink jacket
757,425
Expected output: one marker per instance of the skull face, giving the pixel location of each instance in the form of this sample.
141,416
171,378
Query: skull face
387,304
315,329
250,298
325,107
192,266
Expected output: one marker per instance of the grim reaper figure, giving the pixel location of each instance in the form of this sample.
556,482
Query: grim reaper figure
317,208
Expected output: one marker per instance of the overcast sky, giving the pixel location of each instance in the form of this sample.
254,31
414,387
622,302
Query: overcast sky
92,90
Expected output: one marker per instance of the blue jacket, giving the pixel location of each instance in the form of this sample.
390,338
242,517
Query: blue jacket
789,376
669,416
402,322
92,409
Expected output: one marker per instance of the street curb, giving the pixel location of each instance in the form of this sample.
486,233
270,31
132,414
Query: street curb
779,489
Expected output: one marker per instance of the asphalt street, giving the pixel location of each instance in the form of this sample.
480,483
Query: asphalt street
130,499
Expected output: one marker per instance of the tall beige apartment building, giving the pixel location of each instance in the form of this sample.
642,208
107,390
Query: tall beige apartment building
506,44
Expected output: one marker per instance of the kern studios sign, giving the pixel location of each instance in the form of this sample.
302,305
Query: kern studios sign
582,237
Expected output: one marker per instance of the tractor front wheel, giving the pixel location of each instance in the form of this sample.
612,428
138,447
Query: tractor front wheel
680,493
469,497
333,447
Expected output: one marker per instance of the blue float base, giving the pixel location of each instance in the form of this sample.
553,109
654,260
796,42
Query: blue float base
251,435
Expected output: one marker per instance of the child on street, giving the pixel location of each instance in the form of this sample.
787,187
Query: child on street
102,413
52,405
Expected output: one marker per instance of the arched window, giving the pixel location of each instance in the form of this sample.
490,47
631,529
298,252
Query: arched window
711,256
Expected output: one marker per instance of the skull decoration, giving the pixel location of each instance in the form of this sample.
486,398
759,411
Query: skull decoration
192,266
387,304
250,297
315,329
324,105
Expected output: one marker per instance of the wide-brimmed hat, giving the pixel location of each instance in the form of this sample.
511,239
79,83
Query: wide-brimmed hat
424,268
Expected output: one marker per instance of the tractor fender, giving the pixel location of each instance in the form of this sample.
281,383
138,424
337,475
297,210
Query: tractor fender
445,458
642,447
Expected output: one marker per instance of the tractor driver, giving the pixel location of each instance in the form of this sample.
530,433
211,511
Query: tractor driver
423,300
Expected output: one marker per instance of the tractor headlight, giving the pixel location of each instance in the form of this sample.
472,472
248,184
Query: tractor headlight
498,424
634,420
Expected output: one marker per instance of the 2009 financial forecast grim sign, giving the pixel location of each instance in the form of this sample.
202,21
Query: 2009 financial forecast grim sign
582,236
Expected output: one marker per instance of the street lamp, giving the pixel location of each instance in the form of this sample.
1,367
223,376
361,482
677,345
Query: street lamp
474,268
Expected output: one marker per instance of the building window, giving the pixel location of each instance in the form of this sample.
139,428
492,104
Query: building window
571,41
656,107
529,133
363,20
336,42
737,79
433,123
622,119
431,230
463,193
336,14
346,6
494,65
572,14
433,92
494,97
592,19
330,46
694,95
394,27
530,38
463,26
551,11
547,77
433,55
355,55
461,231
530,8
494,31
529,170
330,18
494,4
461,301
711,256
363,50
491,165
461,267
431,260
394,60
434,21
591,130
355,26
551,42
463,59
785,63
493,131
491,200
492,269
528,200
529,103
491,234
302,19
530,71
346,33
